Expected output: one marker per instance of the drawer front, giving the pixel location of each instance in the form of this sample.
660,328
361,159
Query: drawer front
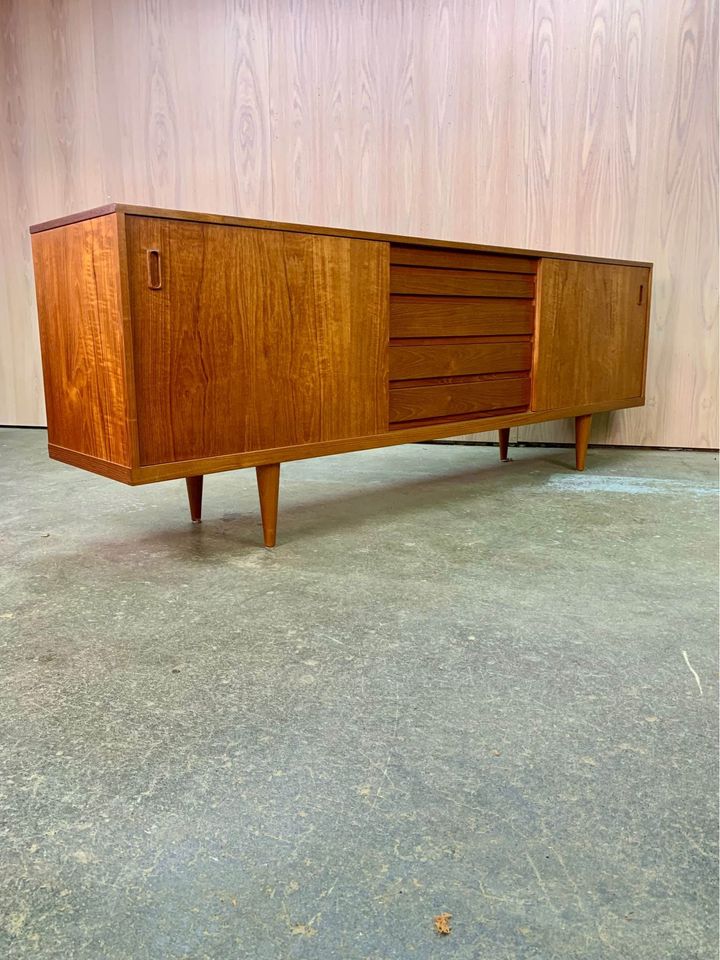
460,283
460,259
461,325
454,399
415,361
456,317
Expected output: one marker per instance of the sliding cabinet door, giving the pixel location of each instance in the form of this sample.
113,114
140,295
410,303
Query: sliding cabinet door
591,334
248,339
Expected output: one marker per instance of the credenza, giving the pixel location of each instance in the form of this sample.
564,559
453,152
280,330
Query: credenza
178,344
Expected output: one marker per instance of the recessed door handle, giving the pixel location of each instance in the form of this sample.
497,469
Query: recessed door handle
154,273
641,295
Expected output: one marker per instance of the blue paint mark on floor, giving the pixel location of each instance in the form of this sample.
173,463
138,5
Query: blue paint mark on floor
589,483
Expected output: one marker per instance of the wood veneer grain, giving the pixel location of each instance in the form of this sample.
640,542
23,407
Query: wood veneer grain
454,399
450,359
413,316
591,333
459,283
594,126
257,338
416,256
81,318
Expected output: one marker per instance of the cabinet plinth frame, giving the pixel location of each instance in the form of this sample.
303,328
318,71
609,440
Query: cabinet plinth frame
306,341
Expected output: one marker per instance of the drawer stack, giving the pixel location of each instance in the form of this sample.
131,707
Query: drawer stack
461,326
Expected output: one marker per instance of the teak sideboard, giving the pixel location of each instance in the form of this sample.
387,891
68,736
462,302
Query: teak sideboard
178,344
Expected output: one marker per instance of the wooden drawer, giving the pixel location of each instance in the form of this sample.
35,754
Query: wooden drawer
460,259
460,283
451,317
452,399
415,361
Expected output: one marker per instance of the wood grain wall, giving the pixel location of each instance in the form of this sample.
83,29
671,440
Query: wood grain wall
588,126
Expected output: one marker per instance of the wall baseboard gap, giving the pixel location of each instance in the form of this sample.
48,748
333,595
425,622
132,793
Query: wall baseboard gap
595,446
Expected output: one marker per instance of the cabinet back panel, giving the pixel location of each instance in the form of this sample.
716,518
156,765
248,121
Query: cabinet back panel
81,337
255,339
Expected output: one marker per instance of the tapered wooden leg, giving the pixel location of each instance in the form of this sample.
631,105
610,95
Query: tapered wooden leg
582,435
194,490
504,434
268,481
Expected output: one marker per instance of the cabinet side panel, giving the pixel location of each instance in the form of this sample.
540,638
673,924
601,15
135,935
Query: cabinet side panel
250,339
591,334
81,338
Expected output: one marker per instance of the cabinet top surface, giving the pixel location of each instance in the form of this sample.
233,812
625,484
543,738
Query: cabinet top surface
132,210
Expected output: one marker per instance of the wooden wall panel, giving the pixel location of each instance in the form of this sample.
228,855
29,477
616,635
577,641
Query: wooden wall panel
645,139
588,127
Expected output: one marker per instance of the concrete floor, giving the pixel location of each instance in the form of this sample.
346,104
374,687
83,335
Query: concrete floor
456,685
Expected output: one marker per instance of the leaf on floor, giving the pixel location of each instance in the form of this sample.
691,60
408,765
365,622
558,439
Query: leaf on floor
442,923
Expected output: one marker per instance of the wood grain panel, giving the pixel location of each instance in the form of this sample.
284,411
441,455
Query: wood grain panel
460,283
453,399
589,127
285,344
82,339
459,259
591,333
455,317
644,133
450,360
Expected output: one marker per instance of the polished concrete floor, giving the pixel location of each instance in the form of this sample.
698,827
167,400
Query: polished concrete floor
456,685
